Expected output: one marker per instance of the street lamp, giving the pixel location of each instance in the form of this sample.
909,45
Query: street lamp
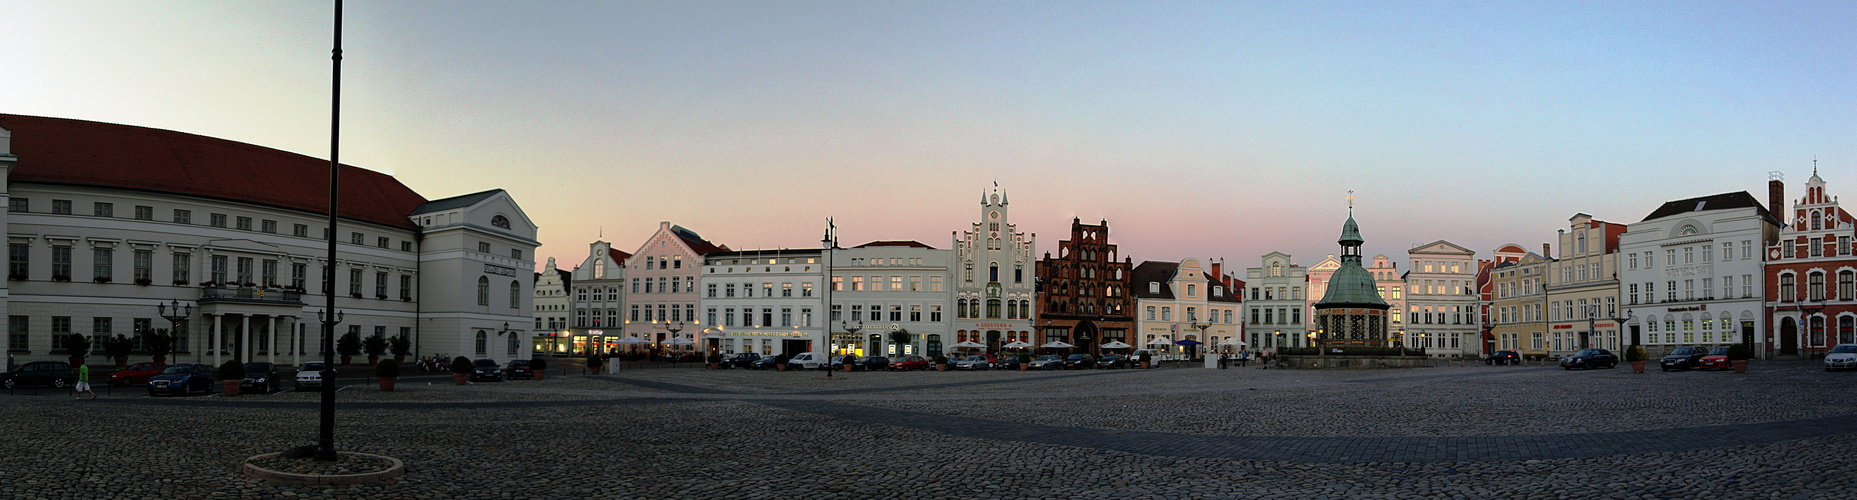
1424,342
1619,323
851,332
1399,339
1318,349
181,313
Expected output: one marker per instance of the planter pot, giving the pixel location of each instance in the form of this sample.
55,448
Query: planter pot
122,362
1740,365
1637,367
231,387
386,383
459,377
849,367
345,360
161,360
399,358
373,360
941,367
781,367
713,366
539,374
1025,366
1144,365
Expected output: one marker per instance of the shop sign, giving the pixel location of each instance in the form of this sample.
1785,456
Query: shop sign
769,334
1697,307
496,269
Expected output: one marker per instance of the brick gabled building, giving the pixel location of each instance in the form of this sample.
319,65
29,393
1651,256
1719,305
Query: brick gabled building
1083,293
1810,273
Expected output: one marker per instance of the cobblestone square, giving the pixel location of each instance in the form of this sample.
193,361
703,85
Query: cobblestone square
1782,430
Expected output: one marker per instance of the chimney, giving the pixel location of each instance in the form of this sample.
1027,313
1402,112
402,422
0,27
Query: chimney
1544,251
1215,270
1776,195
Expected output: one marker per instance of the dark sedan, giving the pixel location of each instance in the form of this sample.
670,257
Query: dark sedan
872,364
485,369
765,363
1079,361
1684,358
260,378
52,373
742,360
1112,362
1590,358
182,379
519,369
1504,358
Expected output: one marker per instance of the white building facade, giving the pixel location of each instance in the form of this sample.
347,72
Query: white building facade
1441,308
994,285
888,286
762,301
598,302
554,308
1692,272
1276,304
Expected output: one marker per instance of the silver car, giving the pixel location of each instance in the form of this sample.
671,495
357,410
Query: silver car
973,363
1842,357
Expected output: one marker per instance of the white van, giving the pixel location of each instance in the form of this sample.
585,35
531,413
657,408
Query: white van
806,361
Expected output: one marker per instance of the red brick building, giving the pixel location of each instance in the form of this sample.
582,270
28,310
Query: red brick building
1810,276
1083,292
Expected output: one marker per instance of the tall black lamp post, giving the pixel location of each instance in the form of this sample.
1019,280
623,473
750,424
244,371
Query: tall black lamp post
851,333
180,313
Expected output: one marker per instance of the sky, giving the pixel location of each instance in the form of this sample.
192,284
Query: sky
1219,130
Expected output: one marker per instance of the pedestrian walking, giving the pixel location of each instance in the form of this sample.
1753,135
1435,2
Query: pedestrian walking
83,382
1243,357
1222,361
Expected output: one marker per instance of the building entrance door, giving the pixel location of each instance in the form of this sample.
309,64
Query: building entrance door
792,346
1586,340
1789,337
992,340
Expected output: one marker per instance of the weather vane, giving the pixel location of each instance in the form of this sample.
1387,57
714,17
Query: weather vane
1350,203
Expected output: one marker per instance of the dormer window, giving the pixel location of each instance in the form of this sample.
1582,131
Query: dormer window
1218,291
500,221
1192,291
1154,287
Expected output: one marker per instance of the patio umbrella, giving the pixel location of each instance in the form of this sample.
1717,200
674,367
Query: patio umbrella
633,340
969,344
1187,342
1057,344
1018,344
1161,341
680,341
1233,341
1116,344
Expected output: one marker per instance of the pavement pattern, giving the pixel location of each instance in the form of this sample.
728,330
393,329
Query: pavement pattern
1783,430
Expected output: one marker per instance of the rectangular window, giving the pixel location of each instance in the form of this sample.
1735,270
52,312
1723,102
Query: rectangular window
244,223
805,289
18,261
857,312
896,283
380,242
18,333
183,268
1150,313
406,287
354,286
61,327
712,315
1671,292
268,226
245,270
104,264
935,313
299,275
380,285
837,312
18,205
357,238
786,317
857,283
1633,262
896,313
915,313
299,230
1634,293
767,316
183,216
217,220
1747,285
102,209
786,289
767,289
61,263
144,213
144,265
61,207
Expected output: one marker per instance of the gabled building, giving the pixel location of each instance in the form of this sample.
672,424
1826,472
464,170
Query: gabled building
598,300
1692,272
996,282
1391,284
554,308
1178,301
1582,290
1441,310
1317,288
1519,306
1083,295
659,286
1810,270
1275,305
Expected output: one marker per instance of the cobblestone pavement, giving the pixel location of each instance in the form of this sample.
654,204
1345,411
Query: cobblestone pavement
1783,430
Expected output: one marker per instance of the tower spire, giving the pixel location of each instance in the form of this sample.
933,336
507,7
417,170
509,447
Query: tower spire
1350,203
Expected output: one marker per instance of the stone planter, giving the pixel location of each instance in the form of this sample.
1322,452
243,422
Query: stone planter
1144,365
386,383
1740,365
122,362
1637,367
345,360
539,374
230,386
941,367
459,377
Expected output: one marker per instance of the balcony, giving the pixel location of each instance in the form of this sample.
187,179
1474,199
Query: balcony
252,295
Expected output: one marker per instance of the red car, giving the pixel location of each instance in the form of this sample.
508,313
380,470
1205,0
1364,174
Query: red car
907,363
137,374
1716,360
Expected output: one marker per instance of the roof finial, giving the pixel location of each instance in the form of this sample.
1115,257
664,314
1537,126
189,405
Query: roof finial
1815,165
1350,203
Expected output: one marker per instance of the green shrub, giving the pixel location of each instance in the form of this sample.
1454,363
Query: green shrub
375,345
118,346
538,364
159,343
1635,354
1740,352
349,344
715,357
232,370
1147,357
387,368
782,359
401,345
850,359
941,359
594,361
461,364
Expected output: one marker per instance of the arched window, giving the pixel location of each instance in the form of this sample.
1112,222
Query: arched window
513,345
483,291
993,308
1817,220
1815,285
1788,291
1582,239
500,221
483,343
993,273
515,294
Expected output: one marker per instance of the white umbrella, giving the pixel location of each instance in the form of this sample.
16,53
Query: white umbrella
1161,341
633,340
1117,344
1057,344
1232,341
1018,344
969,344
680,341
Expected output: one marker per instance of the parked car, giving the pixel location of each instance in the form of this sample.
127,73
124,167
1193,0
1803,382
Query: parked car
52,373
872,363
907,363
486,369
1716,359
806,361
838,363
1686,358
1842,357
1590,358
740,360
765,363
973,363
519,368
309,376
1111,361
1048,362
1012,362
259,377
1076,361
182,379
1503,358
136,374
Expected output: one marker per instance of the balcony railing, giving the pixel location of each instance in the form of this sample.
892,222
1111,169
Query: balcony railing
250,294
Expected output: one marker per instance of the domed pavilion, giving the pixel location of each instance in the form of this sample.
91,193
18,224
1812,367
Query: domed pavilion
1351,314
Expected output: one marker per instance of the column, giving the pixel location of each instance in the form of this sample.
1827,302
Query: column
218,329
296,342
244,338
271,329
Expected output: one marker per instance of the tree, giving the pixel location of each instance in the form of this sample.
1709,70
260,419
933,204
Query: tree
402,346
349,344
159,343
375,345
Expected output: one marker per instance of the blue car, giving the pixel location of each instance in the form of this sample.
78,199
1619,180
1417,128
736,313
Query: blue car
182,379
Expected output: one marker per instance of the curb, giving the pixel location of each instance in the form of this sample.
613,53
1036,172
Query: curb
398,469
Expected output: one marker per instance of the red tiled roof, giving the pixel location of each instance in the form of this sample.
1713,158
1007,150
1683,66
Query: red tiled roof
910,244
618,256
697,243
67,151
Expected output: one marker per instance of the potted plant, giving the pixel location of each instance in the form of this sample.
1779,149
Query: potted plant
118,348
348,346
143,281
594,362
101,279
850,361
780,362
461,369
941,363
230,374
402,347
375,345
1738,355
389,372
715,360
79,347
1636,355
900,337
539,367
1146,357
159,344
1025,361
61,277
